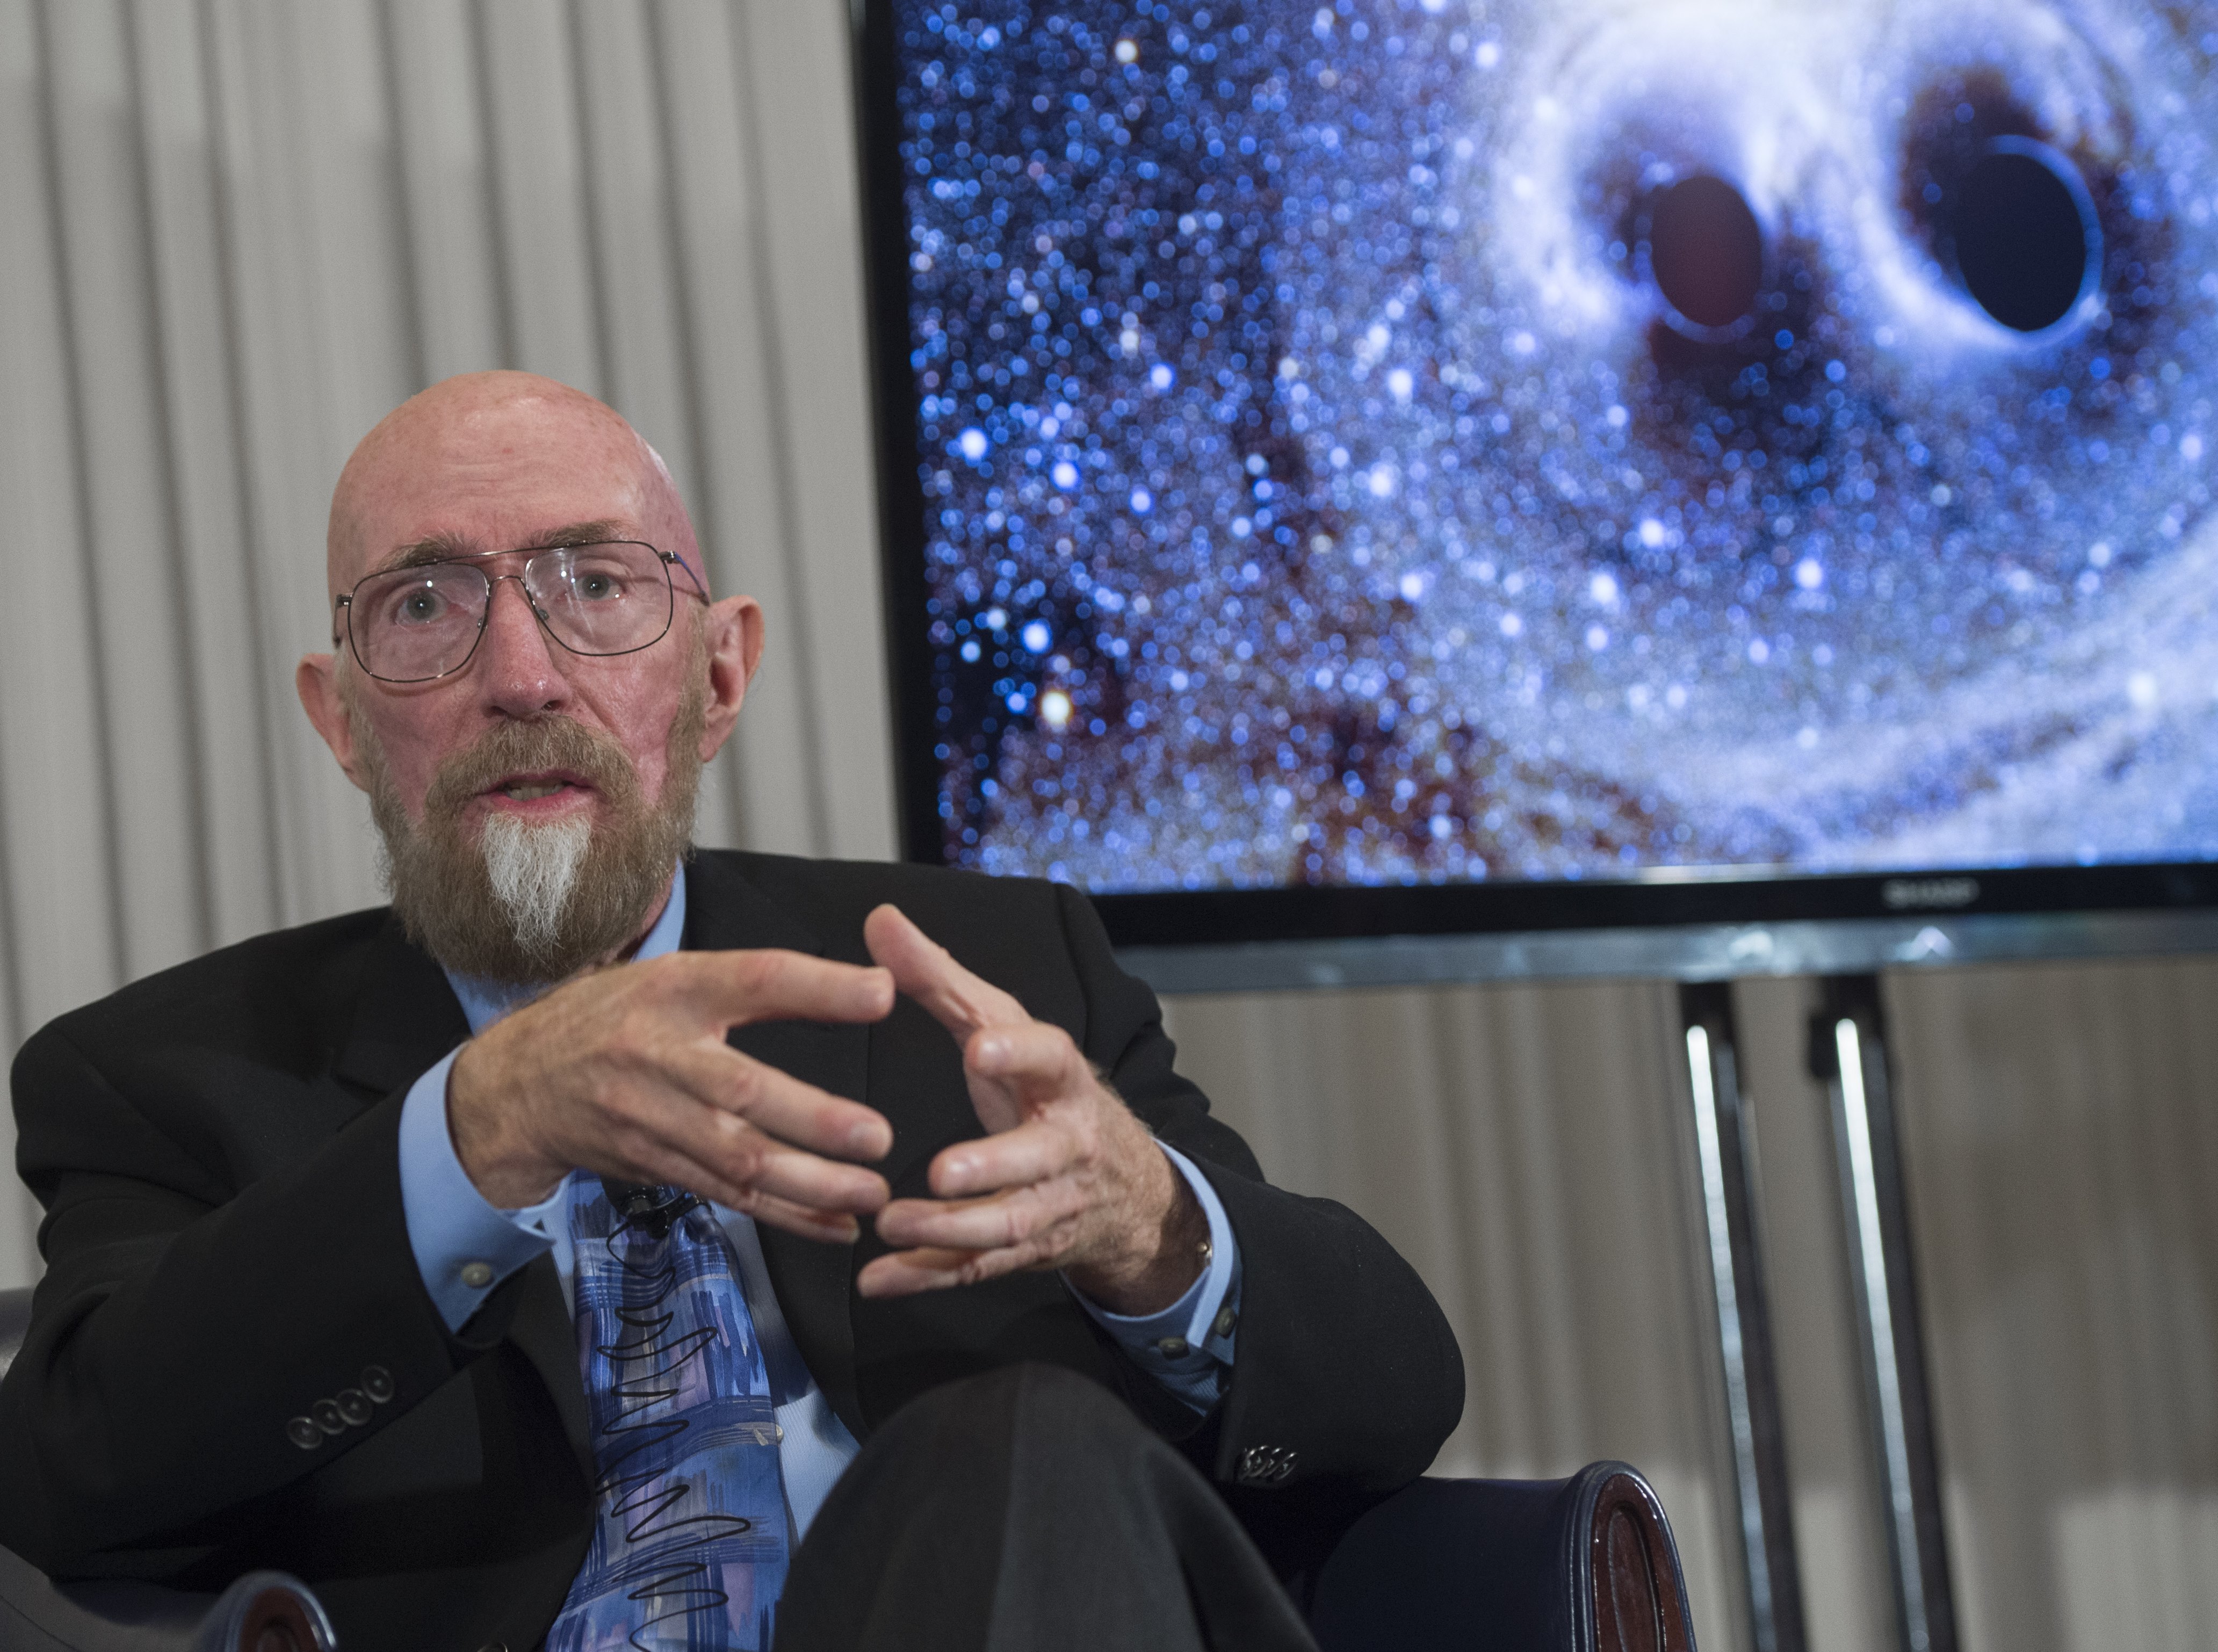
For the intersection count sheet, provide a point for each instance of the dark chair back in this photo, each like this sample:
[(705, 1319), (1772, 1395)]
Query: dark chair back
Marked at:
[(1585, 1564), (262, 1612)]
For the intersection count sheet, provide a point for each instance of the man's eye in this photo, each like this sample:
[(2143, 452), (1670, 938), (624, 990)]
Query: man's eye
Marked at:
[(422, 606), (600, 585)]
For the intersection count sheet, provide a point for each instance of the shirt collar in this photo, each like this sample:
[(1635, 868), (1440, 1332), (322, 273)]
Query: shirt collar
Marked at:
[(484, 1002)]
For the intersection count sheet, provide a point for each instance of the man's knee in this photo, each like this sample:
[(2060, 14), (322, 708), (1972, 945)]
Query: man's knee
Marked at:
[(1028, 1507), (979, 1418)]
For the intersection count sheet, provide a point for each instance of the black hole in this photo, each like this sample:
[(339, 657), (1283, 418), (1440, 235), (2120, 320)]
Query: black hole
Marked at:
[(2022, 235), (1705, 249)]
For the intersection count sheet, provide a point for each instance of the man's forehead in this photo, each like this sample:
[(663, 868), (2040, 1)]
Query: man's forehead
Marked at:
[(526, 443), (465, 479)]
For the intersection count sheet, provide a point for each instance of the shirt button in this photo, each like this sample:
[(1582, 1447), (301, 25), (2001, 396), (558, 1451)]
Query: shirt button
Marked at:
[(304, 1434), (353, 1405), (1173, 1348), (477, 1275), (327, 1417), (377, 1382), (1222, 1324)]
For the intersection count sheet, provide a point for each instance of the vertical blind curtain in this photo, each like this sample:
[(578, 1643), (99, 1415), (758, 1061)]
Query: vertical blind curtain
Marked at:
[(239, 230), (1531, 1149), (2062, 1144)]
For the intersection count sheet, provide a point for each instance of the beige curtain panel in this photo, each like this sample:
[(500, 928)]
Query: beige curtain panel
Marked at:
[(239, 231)]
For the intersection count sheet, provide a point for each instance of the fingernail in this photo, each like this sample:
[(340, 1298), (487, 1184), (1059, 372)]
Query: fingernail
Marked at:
[(992, 1052), (957, 1173)]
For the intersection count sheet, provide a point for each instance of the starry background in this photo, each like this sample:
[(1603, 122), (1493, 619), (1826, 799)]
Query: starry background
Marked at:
[(1315, 489)]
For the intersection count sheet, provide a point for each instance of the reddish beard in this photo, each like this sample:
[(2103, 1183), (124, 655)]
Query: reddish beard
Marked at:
[(436, 870)]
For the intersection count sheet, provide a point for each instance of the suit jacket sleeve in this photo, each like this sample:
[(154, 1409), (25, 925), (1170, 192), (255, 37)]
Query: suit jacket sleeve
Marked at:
[(196, 1301), (1348, 1371)]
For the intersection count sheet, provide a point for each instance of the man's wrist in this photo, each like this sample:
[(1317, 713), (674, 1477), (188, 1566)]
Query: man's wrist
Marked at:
[(509, 1178), (1175, 1255), (464, 1244), (1190, 1344)]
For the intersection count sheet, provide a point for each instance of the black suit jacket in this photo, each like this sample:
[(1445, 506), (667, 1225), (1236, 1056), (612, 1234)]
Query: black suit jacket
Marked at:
[(216, 1148)]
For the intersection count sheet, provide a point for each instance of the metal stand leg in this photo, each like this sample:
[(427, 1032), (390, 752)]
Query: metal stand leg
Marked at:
[(1767, 1523), (1847, 1047)]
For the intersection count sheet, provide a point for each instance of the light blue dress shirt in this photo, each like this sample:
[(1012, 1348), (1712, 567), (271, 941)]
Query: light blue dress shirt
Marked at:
[(466, 1246)]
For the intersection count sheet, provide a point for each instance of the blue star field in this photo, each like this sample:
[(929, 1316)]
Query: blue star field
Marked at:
[(1325, 480)]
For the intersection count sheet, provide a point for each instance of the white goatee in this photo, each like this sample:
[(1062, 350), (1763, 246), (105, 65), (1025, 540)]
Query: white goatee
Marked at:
[(533, 870)]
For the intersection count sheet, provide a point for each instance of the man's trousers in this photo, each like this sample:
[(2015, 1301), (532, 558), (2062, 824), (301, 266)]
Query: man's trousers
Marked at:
[(1028, 1509)]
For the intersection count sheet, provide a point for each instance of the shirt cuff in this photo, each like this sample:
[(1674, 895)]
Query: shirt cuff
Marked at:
[(1189, 1346), (464, 1245)]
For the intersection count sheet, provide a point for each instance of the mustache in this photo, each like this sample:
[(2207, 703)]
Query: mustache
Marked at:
[(552, 743)]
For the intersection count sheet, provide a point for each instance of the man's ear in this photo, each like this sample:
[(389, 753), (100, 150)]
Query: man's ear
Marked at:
[(316, 680), (735, 649)]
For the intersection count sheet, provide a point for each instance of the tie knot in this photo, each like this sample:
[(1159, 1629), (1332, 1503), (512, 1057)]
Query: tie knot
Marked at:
[(648, 1208)]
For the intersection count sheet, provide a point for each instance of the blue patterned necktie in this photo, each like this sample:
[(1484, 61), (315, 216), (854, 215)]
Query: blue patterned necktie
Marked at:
[(689, 1548)]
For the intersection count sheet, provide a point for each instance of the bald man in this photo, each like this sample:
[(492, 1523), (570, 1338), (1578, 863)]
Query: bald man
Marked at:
[(612, 1243)]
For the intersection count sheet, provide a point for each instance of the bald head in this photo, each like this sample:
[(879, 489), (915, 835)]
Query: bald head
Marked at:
[(491, 461)]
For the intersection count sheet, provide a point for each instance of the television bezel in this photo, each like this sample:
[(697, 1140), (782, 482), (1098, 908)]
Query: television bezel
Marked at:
[(1220, 916)]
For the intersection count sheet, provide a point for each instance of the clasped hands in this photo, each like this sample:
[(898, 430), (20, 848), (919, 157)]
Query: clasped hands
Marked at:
[(625, 1072)]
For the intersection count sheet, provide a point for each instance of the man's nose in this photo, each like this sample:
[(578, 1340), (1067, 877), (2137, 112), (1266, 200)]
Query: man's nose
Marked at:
[(518, 674)]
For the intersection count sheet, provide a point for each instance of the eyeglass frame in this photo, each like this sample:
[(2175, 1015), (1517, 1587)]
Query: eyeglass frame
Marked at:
[(530, 553)]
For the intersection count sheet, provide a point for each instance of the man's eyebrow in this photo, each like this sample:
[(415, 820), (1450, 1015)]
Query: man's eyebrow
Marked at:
[(447, 547), (439, 548), (580, 533)]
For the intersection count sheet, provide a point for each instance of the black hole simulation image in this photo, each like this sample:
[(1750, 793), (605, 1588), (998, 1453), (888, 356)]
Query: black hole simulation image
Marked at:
[(2026, 241), (1705, 251), (1417, 441)]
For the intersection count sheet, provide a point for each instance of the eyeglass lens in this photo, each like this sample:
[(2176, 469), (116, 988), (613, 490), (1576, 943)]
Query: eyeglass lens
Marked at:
[(416, 623)]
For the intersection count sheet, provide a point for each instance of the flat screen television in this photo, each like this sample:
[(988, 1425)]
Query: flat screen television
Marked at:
[(1397, 466)]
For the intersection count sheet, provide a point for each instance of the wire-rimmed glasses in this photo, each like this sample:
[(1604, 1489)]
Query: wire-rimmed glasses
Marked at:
[(416, 623)]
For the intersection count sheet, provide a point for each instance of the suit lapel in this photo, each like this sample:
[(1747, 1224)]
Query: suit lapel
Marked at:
[(814, 1281), (544, 1331), (405, 1017)]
